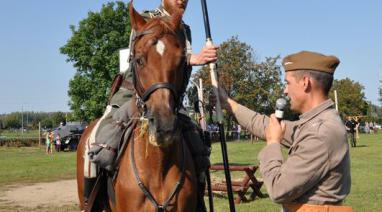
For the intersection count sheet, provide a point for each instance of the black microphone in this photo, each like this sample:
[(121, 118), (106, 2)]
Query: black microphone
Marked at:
[(281, 103)]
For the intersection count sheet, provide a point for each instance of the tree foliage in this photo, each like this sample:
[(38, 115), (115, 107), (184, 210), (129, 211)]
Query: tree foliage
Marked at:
[(93, 50), (374, 113), (32, 119), (380, 92), (351, 97), (255, 85)]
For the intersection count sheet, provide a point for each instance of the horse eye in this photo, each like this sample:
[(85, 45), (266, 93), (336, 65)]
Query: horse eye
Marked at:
[(139, 61)]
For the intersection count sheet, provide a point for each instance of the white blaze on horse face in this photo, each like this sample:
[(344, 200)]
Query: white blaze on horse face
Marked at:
[(160, 47)]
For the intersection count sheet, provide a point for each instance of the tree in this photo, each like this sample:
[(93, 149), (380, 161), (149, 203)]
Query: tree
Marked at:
[(268, 86), (255, 85), (93, 50), (380, 92), (47, 120), (1, 125), (47, 123), (57, 118), (351, 98), (13, 120)]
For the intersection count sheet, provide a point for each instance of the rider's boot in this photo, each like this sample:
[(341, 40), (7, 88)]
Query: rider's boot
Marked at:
[(89, 184), (200, 154)]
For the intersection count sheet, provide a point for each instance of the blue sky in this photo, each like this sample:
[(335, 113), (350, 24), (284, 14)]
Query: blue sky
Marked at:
[(34, 76)]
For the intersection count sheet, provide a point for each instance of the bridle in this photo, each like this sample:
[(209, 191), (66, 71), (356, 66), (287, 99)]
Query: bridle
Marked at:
[(143, 94)]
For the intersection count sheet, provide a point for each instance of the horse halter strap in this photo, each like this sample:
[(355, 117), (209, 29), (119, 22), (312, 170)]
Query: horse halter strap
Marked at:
[(138, 86)]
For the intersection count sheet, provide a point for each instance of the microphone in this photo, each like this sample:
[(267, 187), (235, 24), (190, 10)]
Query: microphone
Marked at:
[(280, 106)]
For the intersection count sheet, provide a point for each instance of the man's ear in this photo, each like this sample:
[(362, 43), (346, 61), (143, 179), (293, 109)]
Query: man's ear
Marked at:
[(137, 21), (307, 83)]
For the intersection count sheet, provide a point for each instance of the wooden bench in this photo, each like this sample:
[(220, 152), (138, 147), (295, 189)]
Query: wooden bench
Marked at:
[(240, 187)]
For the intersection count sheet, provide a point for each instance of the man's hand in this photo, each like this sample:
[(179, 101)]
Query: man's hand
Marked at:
[(225, 102), (275, 130), (207, 55), (223, 97)]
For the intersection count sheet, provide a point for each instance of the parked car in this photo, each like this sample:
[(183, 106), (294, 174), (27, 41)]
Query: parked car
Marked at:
[(362, 129), (70, 134)]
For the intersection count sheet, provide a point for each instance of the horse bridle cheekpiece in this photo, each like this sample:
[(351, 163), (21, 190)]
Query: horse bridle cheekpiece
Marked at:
[(144, 94)]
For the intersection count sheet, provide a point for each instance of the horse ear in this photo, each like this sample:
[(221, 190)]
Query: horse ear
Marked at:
[(177, 19), (137, 21)]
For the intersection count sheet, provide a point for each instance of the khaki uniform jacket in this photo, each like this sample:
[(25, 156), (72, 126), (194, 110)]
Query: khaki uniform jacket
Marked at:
[(317, 170)]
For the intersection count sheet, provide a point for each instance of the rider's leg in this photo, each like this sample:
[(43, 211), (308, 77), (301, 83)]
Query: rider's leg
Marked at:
[(108, 136), (90, 174), (89, 184), (91, 168), (200, 153)]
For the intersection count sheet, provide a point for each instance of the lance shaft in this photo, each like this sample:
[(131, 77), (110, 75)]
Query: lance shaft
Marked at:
[(214, 82)]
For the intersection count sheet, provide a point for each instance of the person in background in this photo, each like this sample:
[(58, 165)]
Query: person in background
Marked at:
[(367, 128), (351, 126), (371, 127), (51, 138), (58, 142), (47, 142)]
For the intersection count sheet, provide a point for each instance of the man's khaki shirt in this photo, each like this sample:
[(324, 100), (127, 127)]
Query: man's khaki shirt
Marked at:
[(317, 170)]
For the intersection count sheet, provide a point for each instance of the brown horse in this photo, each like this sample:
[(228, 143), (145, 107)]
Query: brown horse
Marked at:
[(156, 171)]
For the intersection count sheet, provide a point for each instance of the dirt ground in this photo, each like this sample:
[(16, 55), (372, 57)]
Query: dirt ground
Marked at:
[(39, 195)]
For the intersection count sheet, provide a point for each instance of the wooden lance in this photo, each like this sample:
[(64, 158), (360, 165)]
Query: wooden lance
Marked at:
[(214, 82)]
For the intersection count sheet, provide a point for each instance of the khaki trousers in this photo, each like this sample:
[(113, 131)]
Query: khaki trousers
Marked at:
[(291, 207)]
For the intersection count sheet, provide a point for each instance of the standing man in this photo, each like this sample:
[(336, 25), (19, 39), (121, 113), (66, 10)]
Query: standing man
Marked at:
[(351, 126), (316, 174), (108, 132)]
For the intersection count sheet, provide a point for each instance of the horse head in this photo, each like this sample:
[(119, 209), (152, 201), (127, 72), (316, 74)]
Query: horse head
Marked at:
[(158, 66)]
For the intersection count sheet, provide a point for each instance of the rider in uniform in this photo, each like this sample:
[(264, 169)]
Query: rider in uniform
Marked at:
[(108, 132)]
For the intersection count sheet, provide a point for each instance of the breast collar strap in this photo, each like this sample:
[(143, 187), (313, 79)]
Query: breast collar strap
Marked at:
[(178, 185)]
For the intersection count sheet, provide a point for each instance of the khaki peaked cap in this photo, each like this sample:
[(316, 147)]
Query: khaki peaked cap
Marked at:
[(306, 60)]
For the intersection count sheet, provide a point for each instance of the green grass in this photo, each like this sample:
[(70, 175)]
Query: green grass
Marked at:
[(366, 172), (241, 153), (28, 165), (31, 164)]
